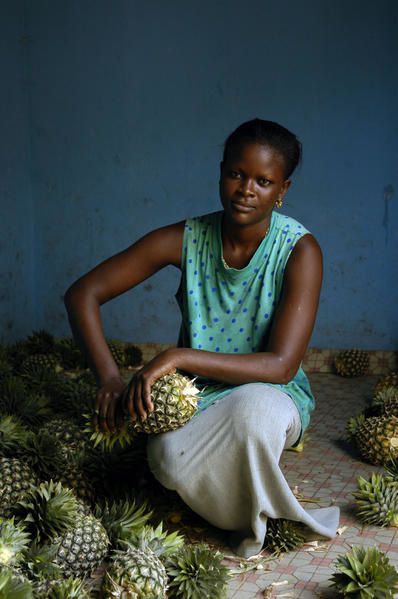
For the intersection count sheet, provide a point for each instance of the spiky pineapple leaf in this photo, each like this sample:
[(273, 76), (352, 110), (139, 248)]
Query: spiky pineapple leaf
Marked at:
[(47, 510), (196, 571), (13, 542), (122, 519), (13, 586), (365, 573)]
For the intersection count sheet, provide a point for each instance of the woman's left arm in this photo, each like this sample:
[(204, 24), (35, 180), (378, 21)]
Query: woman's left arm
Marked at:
[(292, 326)]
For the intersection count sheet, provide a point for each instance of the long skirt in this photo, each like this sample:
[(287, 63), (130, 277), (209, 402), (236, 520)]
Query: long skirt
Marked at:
[(224, 464)]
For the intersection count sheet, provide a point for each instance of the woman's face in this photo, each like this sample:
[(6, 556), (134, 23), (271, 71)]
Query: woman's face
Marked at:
[(252, 179)]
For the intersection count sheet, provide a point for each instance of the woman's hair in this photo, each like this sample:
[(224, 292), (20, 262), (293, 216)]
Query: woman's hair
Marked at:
[(267, 133)]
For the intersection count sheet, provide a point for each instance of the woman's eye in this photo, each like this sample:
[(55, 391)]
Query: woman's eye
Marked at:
[(234, 174), (263, 182)]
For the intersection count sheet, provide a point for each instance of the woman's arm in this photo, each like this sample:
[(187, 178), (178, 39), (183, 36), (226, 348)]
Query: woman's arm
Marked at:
[(291, 331), (109, 279)]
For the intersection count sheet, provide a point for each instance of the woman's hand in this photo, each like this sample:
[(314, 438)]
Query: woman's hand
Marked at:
[(137, 397), (109, 404)]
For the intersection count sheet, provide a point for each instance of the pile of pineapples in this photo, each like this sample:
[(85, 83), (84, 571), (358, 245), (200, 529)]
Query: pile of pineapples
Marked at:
[(73, 519)]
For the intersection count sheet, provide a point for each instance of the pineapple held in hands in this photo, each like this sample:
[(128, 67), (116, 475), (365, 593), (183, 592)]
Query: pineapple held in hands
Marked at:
[(174, 398)]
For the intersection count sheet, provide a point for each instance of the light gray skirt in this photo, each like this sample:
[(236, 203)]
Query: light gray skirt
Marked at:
[(224, 464)]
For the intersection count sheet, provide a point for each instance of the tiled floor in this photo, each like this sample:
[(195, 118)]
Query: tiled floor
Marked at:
[(326, 470)]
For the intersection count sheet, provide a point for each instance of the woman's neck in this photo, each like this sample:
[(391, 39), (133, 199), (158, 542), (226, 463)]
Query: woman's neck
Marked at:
[(240, 243)]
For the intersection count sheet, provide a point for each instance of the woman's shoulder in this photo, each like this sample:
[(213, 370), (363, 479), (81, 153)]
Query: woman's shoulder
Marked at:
[(289, 225)]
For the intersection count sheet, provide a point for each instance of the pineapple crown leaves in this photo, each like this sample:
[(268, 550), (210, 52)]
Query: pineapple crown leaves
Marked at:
[(122, 519), (112, 472), (161, 543), (16, 353), (122, 438), (43, 453), (13, 541), (365, 573), (13, 586), (40, 342), (31, 409), (70, 588), (283, 535), (47, 510), (391, 467), (385, 394), (377, 500), (196, 571), (70, 354), (13, 435), (39, 562)]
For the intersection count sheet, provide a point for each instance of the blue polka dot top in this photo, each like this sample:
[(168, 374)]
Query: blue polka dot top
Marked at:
[(230, 310)]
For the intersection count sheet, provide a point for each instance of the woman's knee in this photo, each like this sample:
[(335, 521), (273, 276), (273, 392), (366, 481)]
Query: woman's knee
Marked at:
[(258, 415), (162, 461)]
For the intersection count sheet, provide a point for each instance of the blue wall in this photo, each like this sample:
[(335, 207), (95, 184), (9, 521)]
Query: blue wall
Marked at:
[(130, 103), (17, 246)]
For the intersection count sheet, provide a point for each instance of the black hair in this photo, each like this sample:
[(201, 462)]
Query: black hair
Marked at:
[(267, 133)]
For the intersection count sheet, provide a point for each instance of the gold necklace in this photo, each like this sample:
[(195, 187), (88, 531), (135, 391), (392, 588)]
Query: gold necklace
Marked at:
[(226, 266)]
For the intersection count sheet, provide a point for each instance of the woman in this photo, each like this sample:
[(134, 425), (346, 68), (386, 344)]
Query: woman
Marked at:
[(249, 293)]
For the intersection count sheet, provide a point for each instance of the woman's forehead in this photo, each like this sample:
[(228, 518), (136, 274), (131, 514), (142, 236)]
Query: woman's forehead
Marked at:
[(256, 154)]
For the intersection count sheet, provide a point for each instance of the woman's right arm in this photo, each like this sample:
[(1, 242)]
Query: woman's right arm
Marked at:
[(109, 279)]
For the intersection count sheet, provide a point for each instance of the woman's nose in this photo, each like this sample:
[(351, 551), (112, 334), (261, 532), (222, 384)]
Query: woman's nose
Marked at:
[(247, 187)]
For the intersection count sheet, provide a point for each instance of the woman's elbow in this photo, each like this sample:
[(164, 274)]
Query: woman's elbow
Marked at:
[(286, 371), (74, 296)]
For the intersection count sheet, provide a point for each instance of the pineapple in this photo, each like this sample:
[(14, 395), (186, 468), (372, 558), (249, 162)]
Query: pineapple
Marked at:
[(54, 516), (133, 355), (175, 402), (117, 350), (365, 573), (196, 571), (283, 535), (353, 425), (69, 435), (16, 479), (136, 573), (377, 500), (352, 362), (82, 548), (377, 439), (162, 543), (390, 380), (37, 365)]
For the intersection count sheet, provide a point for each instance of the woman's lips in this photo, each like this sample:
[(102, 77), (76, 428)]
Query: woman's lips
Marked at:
[(241, 207)]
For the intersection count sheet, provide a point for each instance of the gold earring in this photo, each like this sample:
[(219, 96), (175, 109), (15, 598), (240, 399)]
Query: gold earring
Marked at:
[(279, 202)]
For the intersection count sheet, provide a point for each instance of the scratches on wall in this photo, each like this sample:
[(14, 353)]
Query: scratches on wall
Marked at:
[(388, 193)]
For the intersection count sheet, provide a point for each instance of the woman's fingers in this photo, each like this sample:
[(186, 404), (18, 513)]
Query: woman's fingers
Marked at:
[(129, 400), (138, 400), (110, 415), (146, 394)]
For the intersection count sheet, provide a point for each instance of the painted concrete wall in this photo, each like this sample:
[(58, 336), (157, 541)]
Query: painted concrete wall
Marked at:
[(17, 291), (131, 102)]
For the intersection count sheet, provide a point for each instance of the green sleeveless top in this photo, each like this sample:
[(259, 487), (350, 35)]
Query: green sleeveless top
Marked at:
[(230, 310)]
